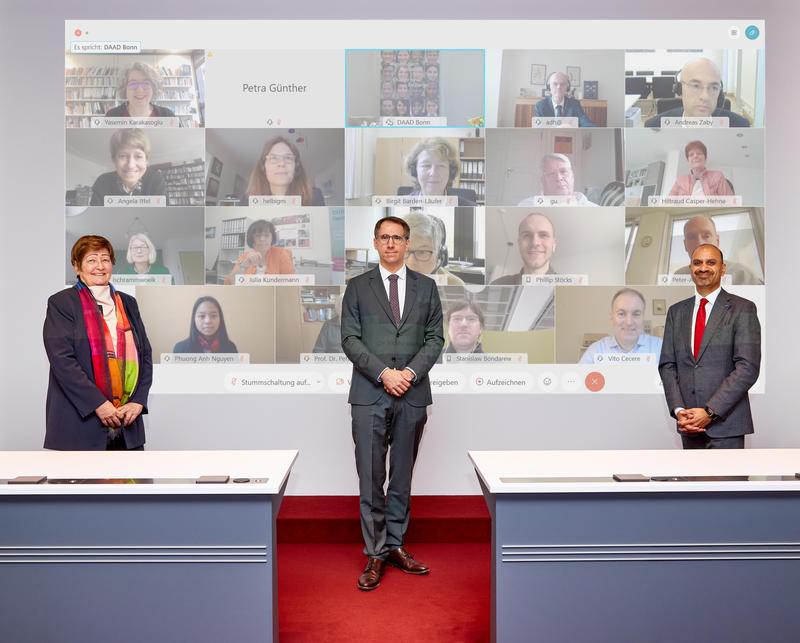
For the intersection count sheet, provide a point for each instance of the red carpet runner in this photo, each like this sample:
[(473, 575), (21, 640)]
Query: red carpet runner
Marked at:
[(319, 559)]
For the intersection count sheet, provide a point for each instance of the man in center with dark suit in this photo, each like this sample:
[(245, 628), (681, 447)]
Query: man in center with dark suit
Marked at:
[(392, 332), (710, 358), (558, 104)]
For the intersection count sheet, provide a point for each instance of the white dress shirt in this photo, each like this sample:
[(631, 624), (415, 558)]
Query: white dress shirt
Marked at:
[(401, 284)]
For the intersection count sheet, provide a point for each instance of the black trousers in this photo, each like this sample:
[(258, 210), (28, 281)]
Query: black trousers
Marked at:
[(704, 441), (390, 425)]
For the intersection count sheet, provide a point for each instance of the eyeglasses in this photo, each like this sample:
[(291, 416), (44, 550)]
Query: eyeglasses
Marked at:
[(275, 159), (465, 319), (140, 248), (386, 238), (421, 255), (696, 87), (139, 84), (564, 172)]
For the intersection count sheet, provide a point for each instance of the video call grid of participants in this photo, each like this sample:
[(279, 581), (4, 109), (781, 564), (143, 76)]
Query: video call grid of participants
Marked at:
[(539, 189)]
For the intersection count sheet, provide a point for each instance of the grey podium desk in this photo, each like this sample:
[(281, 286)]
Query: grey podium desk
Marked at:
[(643, 562), (164, 562)]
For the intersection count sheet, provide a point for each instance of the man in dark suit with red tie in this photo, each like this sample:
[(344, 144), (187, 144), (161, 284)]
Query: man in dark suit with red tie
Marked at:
[(392, 332), (710, 358)]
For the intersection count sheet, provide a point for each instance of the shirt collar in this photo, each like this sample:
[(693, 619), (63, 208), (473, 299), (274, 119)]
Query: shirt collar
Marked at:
[(385, 273), (711, 297), (639, 342)]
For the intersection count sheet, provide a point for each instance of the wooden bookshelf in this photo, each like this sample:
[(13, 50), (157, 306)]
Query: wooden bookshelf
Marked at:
[(185, 182), (92, 91)]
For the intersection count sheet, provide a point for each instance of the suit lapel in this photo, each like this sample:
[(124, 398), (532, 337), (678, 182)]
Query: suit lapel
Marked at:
[(721, 307), (411, 294), (685, 326), (376, 283)]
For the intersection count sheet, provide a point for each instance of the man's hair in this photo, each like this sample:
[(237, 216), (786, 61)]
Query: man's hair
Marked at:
[(628, 291), (397, 220), (90, 243), (129, 138), (457, 306), (700, 216), (555, 156), (538, 214), (711, 245)]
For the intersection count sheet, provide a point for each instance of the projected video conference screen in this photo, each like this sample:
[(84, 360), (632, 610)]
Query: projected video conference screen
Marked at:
[(554, 194)]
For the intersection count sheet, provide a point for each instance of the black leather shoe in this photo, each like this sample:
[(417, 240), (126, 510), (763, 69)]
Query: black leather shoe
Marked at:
[(401, 558), (371, 577)]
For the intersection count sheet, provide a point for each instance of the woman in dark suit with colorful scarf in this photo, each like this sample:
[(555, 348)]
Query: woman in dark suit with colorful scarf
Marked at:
[(101, 367)]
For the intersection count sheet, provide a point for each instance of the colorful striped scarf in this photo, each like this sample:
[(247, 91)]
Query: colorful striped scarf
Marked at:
[(116, 373)]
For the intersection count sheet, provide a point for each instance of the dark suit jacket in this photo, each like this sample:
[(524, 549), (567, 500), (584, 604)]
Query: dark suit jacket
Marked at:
[(726, 368), (572, 109), (735, 119), (72, 396), (372, 342)]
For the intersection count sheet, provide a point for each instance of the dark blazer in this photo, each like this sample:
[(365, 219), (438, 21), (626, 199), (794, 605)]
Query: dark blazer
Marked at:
[(726, 368), (72, 395), (572, 109), (735, 119), (372, 342), (153, 184)]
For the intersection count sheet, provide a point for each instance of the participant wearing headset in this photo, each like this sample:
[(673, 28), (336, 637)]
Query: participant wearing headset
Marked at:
[(433, 165), (559, 104), (427, 246), (699, 85), (536, 241)]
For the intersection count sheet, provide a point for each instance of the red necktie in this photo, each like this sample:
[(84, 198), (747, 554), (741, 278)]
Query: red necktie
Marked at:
[(699, 326)]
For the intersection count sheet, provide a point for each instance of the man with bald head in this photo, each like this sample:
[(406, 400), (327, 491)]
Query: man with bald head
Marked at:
[(701, 229), (536, 242), (710, 358), (701, 86), (559, 104)]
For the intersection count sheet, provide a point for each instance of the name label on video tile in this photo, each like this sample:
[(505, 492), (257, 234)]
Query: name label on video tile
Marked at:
[(116, 122), (274, 280), (134, 201), (293, 200), (412, 201), (555, 280), (140, 280), (205, 358), (695, 121), (690, 200), (625, 358), (548, 122)]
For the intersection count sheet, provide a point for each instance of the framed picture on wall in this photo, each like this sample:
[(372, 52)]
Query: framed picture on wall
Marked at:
[(538, 74), (216, 167), (213, 187), (574, 74)]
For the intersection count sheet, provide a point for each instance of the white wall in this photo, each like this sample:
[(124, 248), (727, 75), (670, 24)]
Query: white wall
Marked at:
[(605, 66)]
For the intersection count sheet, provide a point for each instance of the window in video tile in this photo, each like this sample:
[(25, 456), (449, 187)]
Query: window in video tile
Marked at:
[(612, 324), (150, 89), (694, 88), (694, 167), (305, 242), (209, 324), (498, 325), (135, 167), (560, 88), (554, 167), (554, 246), (150, 246), (415, 168), (270, 167), (415, 87), (447, 244)]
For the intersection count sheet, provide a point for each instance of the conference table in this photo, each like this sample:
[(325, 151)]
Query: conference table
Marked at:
[(699, 545), (140, 546)]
